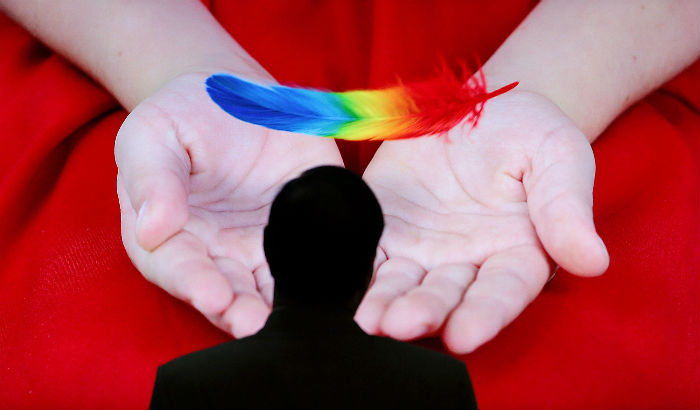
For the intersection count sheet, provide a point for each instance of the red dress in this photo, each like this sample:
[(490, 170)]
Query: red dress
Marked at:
[(80, 327)]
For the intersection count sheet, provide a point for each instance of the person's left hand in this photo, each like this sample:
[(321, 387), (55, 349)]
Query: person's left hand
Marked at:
[(470, 222)]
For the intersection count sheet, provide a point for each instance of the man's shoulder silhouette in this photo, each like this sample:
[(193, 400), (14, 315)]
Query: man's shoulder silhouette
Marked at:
[(335, 366)]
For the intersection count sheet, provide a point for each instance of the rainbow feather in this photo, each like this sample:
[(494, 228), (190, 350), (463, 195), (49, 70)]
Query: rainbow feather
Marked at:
[(430, 107)]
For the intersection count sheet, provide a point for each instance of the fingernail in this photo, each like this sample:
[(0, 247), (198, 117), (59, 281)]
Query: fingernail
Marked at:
[(602, 244), (141, 218), (605, 248)]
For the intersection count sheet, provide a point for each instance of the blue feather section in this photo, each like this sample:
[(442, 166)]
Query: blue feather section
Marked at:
[(278, 107)]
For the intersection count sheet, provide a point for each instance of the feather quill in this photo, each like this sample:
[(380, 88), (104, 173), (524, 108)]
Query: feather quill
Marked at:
[(429, 107)]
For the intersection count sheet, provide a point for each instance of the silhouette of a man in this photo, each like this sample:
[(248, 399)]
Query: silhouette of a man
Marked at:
[(320, 243)]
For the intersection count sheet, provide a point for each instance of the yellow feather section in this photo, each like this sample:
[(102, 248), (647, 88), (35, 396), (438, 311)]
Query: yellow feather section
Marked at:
[(381, 114)]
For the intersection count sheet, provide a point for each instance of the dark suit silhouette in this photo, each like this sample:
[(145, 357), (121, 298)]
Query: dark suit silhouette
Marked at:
[(310, 353)]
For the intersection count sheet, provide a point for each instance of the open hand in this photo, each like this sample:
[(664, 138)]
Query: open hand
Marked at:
[(471, 223), (195, 186)]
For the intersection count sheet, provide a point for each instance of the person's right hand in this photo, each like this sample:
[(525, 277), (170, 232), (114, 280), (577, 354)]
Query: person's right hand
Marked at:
[(195, 186)]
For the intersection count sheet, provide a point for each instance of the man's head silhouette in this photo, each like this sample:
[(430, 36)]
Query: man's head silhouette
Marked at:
[(321, 238)]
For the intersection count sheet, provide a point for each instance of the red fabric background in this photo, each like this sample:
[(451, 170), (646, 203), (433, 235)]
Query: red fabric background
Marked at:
[(80, 327)]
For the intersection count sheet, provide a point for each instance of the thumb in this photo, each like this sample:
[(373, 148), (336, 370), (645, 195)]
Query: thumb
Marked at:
[(154, 168), (560, 201)]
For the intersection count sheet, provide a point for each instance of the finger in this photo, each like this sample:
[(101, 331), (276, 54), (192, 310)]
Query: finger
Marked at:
[(181, 265), (379, 259), (154, 169), (394, 277), (423, 309), (560, 200), (265, 283), (505, 284), (248, 311)]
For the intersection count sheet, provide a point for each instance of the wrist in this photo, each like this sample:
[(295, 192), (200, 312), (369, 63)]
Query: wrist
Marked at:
[(134, 48), (138, 71), (551, 81), (148, 80)]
